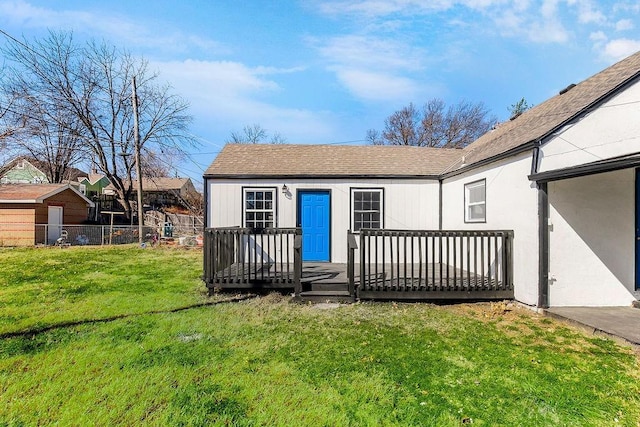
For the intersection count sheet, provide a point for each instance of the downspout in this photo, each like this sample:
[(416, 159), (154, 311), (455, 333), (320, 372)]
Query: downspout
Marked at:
[(206, 203), (440, 204)]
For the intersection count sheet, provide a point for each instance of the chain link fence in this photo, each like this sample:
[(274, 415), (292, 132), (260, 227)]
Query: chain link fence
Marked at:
[(73, 235)]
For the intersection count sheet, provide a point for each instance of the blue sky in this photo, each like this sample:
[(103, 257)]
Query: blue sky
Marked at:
[(326, 71)]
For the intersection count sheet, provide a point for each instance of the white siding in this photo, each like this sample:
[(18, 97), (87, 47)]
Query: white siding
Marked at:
[(613, 129), (512, 204), (408, 204), (592, 253)]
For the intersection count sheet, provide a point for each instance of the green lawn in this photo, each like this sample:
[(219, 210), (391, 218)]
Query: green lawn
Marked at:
[(266, 361)]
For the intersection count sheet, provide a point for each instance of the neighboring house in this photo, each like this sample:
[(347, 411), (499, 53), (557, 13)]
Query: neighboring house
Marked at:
[(93, 184), (25, 210), (22, 171), (562, 175), (26, 170), (162, 191)]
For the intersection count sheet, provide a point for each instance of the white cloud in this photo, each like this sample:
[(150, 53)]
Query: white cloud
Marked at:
[(371, 52), (624, 25), (373, 68), (620, 48), (226, 96), (598, 37), (378, 86), (117, 28), (588, 12)]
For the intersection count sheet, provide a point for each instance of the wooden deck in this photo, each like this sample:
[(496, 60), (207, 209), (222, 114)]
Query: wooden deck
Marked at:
[(382, 264), (330, 281)]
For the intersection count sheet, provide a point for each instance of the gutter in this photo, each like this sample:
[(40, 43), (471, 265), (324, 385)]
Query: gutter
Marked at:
[(316, 176)]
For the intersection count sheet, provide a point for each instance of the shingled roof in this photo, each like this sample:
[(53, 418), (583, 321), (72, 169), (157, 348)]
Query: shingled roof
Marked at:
[(545, 118), (34, 193), (264, 160)]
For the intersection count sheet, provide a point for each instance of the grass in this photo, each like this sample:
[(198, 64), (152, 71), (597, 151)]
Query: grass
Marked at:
[(44, 287), (266, 361)]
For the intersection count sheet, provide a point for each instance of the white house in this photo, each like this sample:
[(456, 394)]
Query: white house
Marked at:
[(562, 175)]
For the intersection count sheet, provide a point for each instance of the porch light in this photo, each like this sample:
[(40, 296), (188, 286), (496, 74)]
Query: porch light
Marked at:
[(285, 189)]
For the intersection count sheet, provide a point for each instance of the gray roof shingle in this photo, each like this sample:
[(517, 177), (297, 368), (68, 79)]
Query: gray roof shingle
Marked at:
[(250, 160)]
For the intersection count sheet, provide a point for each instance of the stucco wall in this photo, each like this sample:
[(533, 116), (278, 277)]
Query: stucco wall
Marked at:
[(511, 204), (592, 242), (408, 204), (611, 130)]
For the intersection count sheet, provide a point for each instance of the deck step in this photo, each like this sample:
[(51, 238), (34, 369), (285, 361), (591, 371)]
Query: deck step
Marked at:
[(325, 296), (325, 293), (333, 287)]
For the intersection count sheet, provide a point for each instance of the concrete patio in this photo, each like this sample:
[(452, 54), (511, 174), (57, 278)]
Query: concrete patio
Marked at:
[(619, 323)]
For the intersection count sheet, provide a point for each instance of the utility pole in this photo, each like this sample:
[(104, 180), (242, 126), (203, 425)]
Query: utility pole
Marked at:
[(136, 142)]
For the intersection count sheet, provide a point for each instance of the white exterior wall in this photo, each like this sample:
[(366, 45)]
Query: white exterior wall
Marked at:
[(592, 242), (408, 204), (511, 204), (612, 130)]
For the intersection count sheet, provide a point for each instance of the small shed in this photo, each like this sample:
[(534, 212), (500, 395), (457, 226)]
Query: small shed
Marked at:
[(31, 213)]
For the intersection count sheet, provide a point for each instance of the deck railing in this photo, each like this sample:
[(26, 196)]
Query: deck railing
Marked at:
[(236, 257), (403, 263)]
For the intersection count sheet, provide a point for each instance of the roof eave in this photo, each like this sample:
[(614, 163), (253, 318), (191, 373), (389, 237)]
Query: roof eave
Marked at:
[(600, 166), (12, 201), (501, 156), (316, 176)]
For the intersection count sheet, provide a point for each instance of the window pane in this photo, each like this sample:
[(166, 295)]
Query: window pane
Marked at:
[(476, 194), (476, 212), (259, 208), (367, 209)]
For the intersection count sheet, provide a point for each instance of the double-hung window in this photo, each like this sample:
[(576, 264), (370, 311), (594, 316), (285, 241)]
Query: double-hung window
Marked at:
[(367, 208), (259, 207), (475, 201)]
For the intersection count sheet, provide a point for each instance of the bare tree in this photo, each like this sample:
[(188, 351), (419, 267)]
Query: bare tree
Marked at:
[(46, 133), (435, 125), (90, 87), (255, 134), (374, 137), (155, 165)]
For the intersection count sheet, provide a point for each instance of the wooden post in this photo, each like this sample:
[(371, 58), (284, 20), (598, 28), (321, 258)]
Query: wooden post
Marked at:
[(352, 245), (297, 263), (136, 140)]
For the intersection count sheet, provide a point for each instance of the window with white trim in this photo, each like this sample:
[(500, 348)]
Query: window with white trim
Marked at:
[(259, 207), (366, 208), (475, 201)]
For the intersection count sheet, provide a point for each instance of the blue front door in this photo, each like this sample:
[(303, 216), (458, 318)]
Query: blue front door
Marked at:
[(313, 217)]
